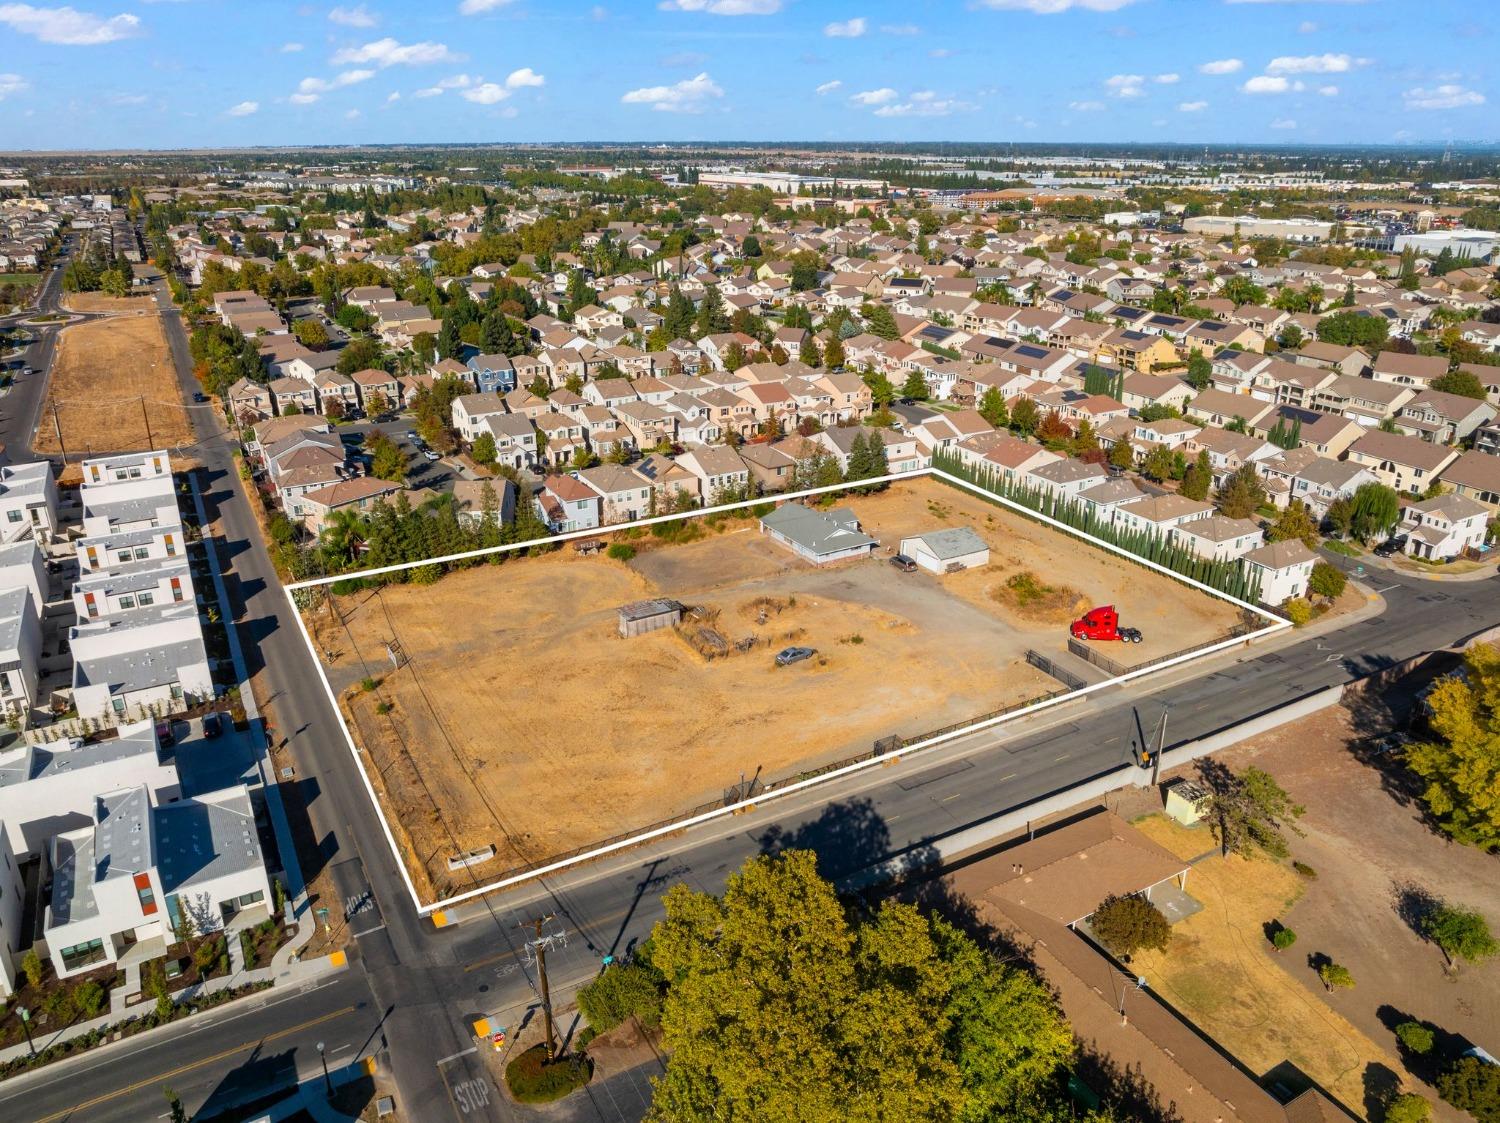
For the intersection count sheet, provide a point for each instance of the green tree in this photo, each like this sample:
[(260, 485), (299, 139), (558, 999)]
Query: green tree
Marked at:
[(711, 318), (879, 321), (1461, 382), (484, 452), (359, 354), (175, 1110), (1327, 581), (1283, 938), (31, 967), (1335, 976), (1353, 329), (1373, 511), (1025, 417), (1415, 1037), (1249, 813), (779, 1006), (635, 989), (1408, 1107), (387, 461), (1242, 493), (992, 408), (808, 353), (495, 336), (1126, 925), (1199, 479), (833, 354), (1295, 522), (1122, 454), (1158, 463), (915, 387), (1462, 934), (311, 334), (1200, 372), (882, 393), (1472, 1084)]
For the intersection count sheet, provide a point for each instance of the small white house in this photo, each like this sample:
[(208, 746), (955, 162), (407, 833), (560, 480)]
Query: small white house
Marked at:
[(1283, 569), (942, 551), (1442, 528)]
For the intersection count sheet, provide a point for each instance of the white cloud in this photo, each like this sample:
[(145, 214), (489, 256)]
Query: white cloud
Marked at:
[(1126, 85), (828, 87), (1310, 64), (1191, 106), (478, 7), (303, 99), (357, 16), (487, 93), (68, 26), (1283, 123), (12, 84), (309, 89), (127, 99), (243, 109), (723, 7), (691, 95), (1167, 79), (388, 52), (900, 29), (352, 115), (1307, 27), (394, 95), (456, 82), (925, 103), (1052, 7), (1221, 66), (524, 77), (939, 52), (875, 97), (1446, 96), (1271, 84), (290, 48), (1085, 106), (1329, 91), (848, 29)]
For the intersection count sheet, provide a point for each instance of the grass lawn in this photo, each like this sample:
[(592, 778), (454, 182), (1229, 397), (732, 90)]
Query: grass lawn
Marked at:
[(1337, 547), (19, 278), (1221, 972)]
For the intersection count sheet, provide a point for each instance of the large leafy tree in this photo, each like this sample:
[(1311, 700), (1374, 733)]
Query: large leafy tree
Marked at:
[(779, 1006), (1249, 813), (1461, 761), (1373, 511), (1126, 925), (1241, 494), (1462, 934)]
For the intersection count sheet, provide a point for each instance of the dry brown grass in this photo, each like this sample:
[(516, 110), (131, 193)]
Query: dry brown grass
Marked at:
[(101, 302), (105, 372), (1026, 595), (1221, 972)]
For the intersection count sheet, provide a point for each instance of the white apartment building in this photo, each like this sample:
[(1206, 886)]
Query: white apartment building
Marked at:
[(148, 661), (28, 502)]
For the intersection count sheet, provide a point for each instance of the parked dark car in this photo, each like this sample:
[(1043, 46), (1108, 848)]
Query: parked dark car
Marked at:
[(164, 734), (903, 563), (199, 396), (789, 655), (1391, 546), (213, 725)]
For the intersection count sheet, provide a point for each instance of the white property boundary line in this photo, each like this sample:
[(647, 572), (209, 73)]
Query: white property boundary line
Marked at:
[(1276, 624)]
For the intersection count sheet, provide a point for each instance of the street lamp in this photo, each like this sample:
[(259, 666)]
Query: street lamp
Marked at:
[(25, 1015), (327, 1083)]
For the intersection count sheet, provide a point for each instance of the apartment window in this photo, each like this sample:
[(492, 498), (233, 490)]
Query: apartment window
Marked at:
[(171, 546), (80, 955), (143, 599), (251, 899), (127, 601), (142, 553), (13, 516)]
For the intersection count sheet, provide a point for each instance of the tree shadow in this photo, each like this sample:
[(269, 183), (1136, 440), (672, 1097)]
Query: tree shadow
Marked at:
[(1381, 1087), (1124, 1090), (847, 836), (1447, 1046), (1414, 904)]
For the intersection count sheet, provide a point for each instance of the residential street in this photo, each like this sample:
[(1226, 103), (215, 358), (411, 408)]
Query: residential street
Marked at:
[(417, 988)]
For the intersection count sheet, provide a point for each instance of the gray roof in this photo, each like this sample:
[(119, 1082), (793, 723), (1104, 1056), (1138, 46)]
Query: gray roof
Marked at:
[(202, 839), (645, 609), (70, 900), (132, 510), (818, 532), (953, 542), (12, 616), (130, 577), (37, 762)]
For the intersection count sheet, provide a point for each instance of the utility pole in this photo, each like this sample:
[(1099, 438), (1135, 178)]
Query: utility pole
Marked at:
[(540, 945), (57, 427), (1161, 745)]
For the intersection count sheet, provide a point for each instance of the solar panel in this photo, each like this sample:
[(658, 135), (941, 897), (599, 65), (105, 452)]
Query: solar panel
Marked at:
[(1031, 352)]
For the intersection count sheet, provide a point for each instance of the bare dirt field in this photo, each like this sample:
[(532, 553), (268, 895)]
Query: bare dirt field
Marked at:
[(102, 302), (522, 720), (102, 374)]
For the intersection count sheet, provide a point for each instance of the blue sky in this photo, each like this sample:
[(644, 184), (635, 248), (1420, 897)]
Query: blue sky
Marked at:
[(176, 73)]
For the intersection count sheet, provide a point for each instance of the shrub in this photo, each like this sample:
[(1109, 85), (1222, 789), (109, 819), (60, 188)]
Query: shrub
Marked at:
[(1283, 938), (1125, 925), (1302, 869), (31, 967), (205, 953), (382, 707), (1408, 1107), (89, 998), (622, 990), (1327, 581), (535, 1080), (1298, 610), (1472, 1085), (58, 1005), (367, 684), (621, 552), (1415, 1036)]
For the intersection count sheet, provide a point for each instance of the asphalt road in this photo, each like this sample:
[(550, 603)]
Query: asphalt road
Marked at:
[(21, 405), (427, 984)]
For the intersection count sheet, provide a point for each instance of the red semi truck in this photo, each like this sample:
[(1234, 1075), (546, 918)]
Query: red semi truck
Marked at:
[(1103, 623)]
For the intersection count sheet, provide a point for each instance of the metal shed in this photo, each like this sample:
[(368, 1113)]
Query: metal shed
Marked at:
[(642, 616)]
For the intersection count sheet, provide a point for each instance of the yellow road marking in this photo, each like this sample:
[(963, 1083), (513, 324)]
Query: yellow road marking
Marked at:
[(180, 1069)]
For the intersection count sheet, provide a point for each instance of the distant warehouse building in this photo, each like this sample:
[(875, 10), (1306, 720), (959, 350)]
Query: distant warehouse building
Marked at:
[(941, 551), (1251, 226), (819, 536), (1471, 245)]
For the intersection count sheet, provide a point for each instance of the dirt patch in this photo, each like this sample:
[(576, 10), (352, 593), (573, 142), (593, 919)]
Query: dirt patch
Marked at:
[(102, 302), (1221, 972), (520, 719), (113, 388)]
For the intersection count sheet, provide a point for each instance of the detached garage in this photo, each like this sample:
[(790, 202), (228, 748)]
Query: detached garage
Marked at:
[(943, 551)]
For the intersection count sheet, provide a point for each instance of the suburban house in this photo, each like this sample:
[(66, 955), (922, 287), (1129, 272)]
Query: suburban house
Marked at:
[(1444, 527), (567, 504), (1443, 419), (1402, 462), (358, 494), (1219, 538), (1417, 371), (719, 470), (1475, 475), (1283, 569), (624, 494), (820, 537)]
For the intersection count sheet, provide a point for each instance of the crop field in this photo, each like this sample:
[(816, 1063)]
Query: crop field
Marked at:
[(520, 719), (111, 381)]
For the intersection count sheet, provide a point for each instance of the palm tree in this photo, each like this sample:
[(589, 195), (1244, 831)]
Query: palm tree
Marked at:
[(344, 535)]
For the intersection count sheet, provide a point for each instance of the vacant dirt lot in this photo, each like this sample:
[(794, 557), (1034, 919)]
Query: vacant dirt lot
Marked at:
[(522, 720), (101, 302), (103, 372), (1378, 865)]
